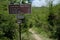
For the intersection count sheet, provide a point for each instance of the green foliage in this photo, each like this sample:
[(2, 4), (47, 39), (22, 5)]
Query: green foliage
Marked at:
[(9, 30), (39, 18), (57, 21), (7, 27)]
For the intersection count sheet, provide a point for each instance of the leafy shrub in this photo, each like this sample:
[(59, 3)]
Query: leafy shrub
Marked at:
[(8, 27)]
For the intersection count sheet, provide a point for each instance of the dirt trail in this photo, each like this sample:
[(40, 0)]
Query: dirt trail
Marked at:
[(37, 37)]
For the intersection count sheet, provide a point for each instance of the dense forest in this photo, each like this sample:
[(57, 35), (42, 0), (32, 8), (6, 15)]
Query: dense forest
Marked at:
[(44, 20)]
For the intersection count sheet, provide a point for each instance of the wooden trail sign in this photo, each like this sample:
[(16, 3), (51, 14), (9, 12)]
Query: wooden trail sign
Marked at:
[(19, 9)]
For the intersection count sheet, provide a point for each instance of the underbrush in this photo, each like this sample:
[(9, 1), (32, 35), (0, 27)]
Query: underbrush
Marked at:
[(45, 35)]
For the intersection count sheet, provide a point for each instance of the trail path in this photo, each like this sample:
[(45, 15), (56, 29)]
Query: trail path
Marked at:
[(37, 37)]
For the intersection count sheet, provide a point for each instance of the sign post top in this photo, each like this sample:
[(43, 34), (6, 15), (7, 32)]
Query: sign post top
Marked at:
[(23, 8)]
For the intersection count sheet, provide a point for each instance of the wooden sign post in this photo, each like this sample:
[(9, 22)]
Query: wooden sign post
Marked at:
[(18, 10)]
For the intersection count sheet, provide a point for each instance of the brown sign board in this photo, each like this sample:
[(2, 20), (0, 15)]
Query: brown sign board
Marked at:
[(17, 9)]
